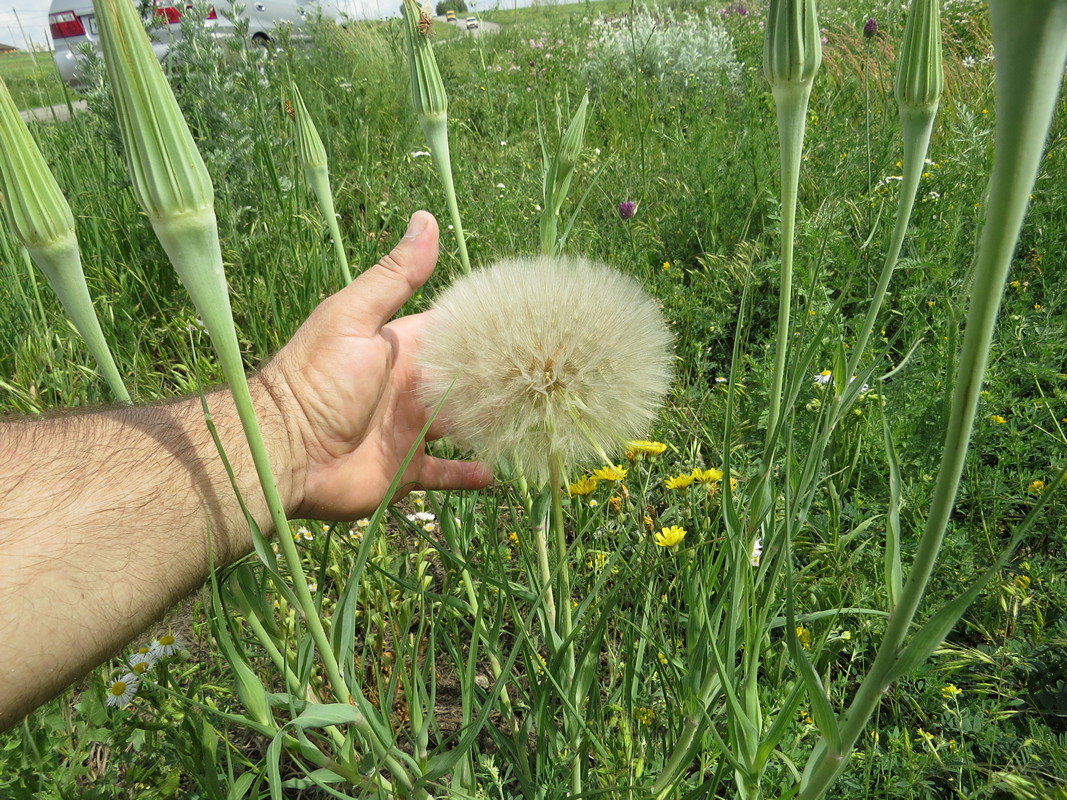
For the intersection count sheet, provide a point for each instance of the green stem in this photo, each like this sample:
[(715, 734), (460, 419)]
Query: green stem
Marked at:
[(436, 130), (1031, 44), (917, 125), (791, 105), (565, 623), (319, 180)]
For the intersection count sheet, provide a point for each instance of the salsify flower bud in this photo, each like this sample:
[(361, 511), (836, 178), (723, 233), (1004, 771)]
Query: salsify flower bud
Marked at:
[(41, 221), (537, 359), (919, 74), (792, 50), (168, 174), (316, 170), (169, 178), (431, 106), (559, 171), (427, 88)]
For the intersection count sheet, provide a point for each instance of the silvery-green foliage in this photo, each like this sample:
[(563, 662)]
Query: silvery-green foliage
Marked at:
[(541, 357), (678, 51)]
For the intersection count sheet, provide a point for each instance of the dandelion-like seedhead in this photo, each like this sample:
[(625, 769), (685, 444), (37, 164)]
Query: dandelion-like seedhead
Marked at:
[(545, 357)]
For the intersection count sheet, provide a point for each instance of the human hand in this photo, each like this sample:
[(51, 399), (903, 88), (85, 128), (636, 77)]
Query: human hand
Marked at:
[(346, 387)]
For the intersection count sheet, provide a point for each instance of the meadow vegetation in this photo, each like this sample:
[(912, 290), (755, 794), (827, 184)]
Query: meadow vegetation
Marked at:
[(448, 597)]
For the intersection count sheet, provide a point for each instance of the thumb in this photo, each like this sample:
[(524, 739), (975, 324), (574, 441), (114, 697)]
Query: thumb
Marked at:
[(377, 294)]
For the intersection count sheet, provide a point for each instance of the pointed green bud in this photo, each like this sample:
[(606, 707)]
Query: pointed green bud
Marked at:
[(168, 174), (792, 50), (40, 221), (317, 173), (427, 88), (919, 74), (169, 178), (570, 147), (308, 142), (35, 207)]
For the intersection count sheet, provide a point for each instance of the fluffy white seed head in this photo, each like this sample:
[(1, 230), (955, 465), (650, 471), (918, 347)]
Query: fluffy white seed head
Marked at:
[(543, 356)]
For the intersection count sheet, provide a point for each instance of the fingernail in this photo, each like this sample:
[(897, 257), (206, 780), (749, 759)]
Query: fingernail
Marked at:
[(416, 225)]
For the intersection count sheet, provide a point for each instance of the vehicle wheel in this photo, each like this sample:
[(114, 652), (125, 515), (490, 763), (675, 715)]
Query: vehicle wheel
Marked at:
[(262, 40)]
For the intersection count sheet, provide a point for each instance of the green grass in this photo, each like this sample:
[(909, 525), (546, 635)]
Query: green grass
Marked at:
[(33, 79), (701, 160)]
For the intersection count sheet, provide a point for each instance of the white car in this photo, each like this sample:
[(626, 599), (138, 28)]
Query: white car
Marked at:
[(472, 23), (73, 23)]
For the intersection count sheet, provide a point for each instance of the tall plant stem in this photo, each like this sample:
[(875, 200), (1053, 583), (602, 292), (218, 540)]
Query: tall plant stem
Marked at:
[(565, 623), (917, 125), (1031, 45), (791, 105), (436, 130), (320, 184)]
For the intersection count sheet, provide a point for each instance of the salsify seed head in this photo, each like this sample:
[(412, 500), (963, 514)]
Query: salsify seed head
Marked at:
[(538, 358)]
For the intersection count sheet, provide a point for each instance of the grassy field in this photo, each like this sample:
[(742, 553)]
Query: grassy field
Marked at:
[(692, 140)]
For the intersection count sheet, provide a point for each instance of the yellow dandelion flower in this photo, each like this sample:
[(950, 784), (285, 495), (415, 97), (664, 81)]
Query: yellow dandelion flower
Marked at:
[(1036, 487), (666, 264), (643, 447), (707, 475), (670, 536), (583, 486), (612, 473), (679, 481)]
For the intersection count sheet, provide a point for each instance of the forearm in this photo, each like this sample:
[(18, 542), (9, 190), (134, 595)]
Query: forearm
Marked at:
[(107, 519)]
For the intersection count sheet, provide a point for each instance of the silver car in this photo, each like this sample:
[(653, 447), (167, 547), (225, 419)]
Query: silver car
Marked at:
[(73, 24)]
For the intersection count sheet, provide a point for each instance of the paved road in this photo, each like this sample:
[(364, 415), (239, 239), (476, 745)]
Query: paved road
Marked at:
[(60, 112), (482, 29)]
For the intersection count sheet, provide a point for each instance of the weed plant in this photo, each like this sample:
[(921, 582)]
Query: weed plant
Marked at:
[(450, 642)]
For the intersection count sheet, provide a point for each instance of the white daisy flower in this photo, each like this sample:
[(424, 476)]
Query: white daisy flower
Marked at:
[(123, 690), (363, 523), (424, 516), (823, 377), (140, 663), (429, 527), (166, 645)]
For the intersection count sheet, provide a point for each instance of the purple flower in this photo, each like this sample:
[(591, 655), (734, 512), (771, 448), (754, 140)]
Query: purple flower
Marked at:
[(870, 30), (627, 208)]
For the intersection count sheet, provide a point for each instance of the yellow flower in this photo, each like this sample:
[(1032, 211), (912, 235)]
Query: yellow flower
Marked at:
[(596, 560), (513, 538), (707, 475), (806, 718), (1037, 487), (669, 537), (648, 522), (997, 419), (1022, 582), (610, 473), (644, 715), (666, 264), (924, 734), (950, 690), (804, 635), (663, 659), (679, 481), (615, 503), (582, 486), (643, 447)]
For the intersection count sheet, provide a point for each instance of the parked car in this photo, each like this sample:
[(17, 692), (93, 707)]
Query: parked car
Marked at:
[(472, 23), (73, 24)]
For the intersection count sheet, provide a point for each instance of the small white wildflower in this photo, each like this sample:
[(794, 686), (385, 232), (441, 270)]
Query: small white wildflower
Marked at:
[(363, 523), (430, 527), (419, 154), (721, 380), (541, 357), (757, 552), (823, 377), (503, 143), (424, 516), (500, 186), (122, 690), (934, 195), (166, 645), (140, 663)]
